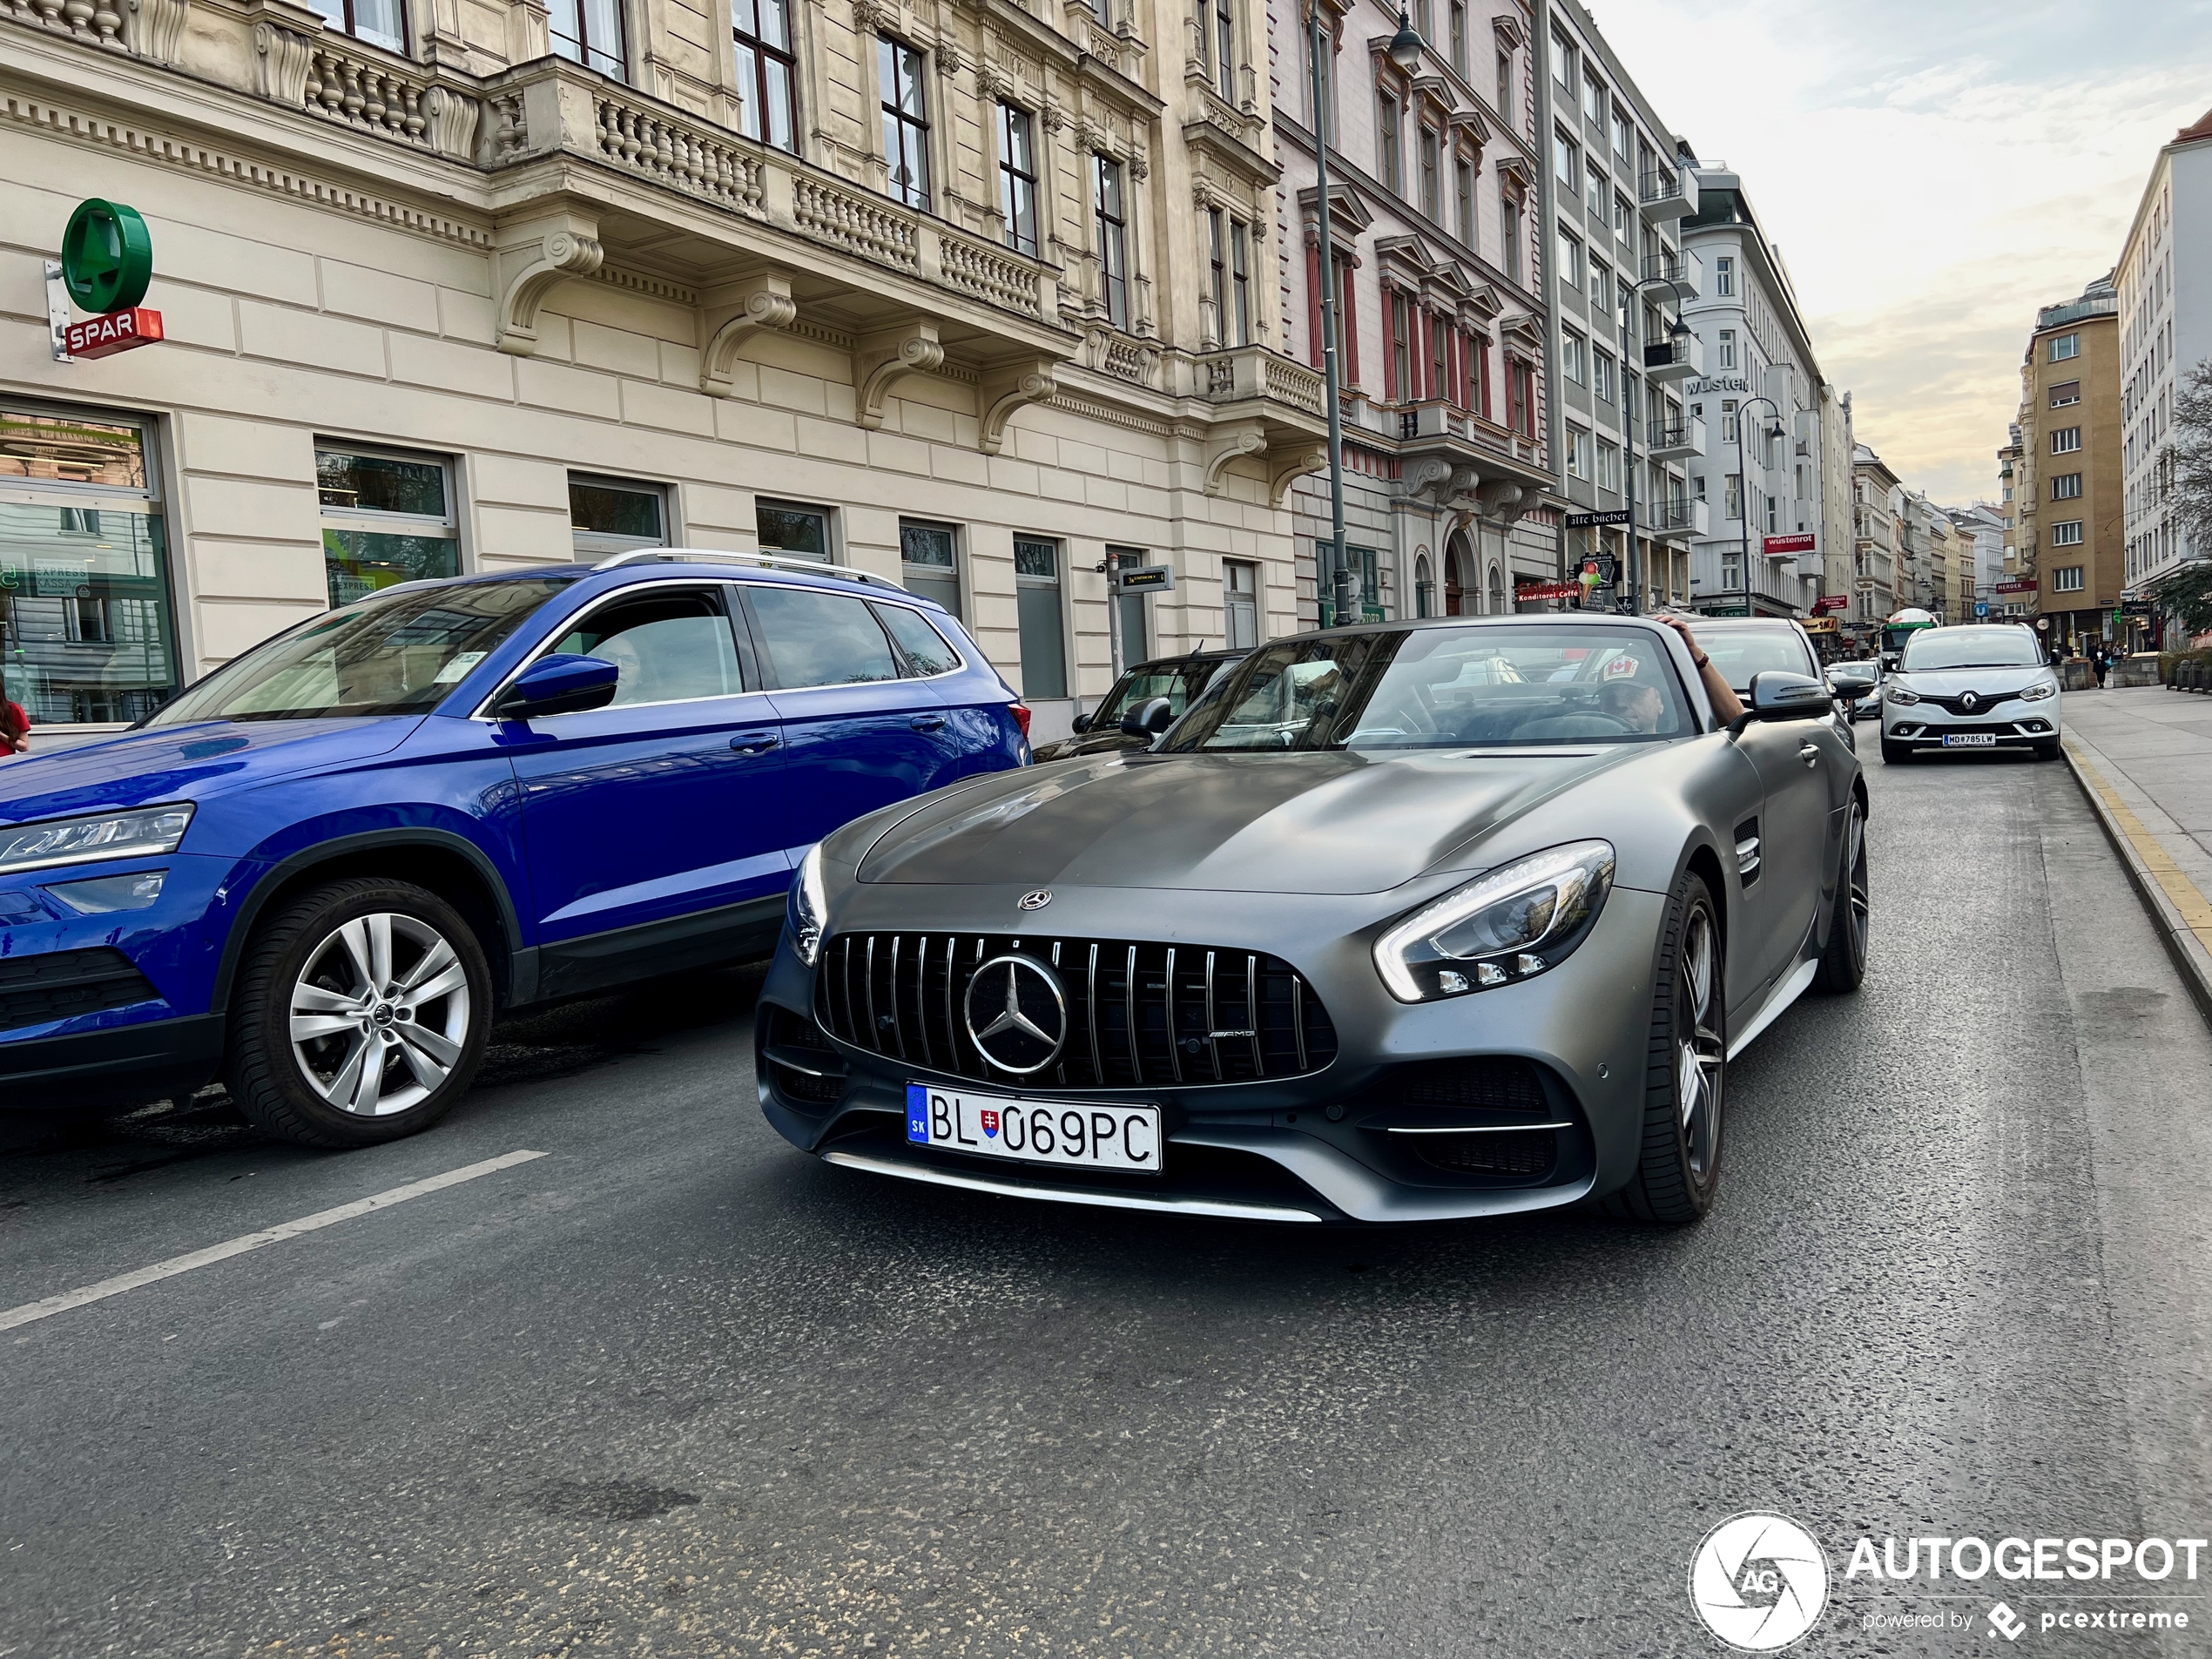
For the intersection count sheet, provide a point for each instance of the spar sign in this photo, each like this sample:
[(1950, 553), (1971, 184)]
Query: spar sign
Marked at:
[(107, 262)]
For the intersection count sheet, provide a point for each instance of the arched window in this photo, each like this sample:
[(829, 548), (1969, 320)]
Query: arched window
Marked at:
[(1497, 592), (1424, 588), (1454, 581)]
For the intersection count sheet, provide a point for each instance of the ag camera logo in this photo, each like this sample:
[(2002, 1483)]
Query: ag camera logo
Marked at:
[(1759, 1581)]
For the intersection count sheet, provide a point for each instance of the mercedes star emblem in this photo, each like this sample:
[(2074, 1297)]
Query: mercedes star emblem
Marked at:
[(1017, 1016), (1036, 900)]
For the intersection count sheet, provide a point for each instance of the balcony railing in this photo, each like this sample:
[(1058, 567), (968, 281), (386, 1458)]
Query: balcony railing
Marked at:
[(1678, 358), (1669, 192), (1683, 269), (1437, 419), (1675, 440), (1248, 372)]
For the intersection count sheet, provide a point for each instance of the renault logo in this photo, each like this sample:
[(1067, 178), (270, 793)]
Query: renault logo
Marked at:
[(1969, 702), (1017, 1015), (1036, 900)]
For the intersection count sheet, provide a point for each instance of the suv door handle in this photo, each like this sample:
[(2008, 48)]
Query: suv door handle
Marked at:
[(754, 743), (927, 723), (1810, 753)]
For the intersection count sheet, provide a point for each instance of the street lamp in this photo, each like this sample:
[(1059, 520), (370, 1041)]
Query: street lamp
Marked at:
[(1406, 46), (1744, 480), (1677, 330)]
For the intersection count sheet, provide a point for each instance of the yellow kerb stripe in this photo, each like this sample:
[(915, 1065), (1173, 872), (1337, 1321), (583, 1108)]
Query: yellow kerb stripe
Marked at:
[(2196, 911)]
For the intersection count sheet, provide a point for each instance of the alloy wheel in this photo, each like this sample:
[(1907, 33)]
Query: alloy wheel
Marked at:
[(1699, 1054), (379, 1014), (1855, 874)]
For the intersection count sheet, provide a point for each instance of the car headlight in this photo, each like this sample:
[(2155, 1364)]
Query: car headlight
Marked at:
[(1512, 924), (2041, 690), (1900, 694), (102, 835), (809, 907)]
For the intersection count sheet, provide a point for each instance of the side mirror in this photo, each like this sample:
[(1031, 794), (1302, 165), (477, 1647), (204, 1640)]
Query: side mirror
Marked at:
[(1149, 719), (1851, 682), (1777, 695), (1083, 723), (561, 683)]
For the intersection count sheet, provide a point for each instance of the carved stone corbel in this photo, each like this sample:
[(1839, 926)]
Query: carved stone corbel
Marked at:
[(1504, 501), (155, 29), (1006, 389), (882, 359), (1227, 446), (1285, 467), (282, 52), (764, 302), (1429, 472), (533, 257), (453, 117)]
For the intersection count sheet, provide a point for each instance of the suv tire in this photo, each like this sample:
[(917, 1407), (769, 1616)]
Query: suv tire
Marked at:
[(359, 1016), (1685, 1067)]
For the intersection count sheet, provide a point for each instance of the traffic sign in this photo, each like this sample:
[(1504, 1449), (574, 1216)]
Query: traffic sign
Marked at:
[(1981, 607), (107, 256)]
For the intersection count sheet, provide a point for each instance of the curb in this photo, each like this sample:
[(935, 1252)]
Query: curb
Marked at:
[(2182, 913)]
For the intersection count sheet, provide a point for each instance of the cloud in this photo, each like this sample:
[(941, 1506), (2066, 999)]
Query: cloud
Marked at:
[(1933, 174)]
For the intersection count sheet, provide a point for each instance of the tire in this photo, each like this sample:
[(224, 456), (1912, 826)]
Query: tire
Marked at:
[(1896, 754), (310, 963), (2048, 751), (1678, 1169), (1843, 965)]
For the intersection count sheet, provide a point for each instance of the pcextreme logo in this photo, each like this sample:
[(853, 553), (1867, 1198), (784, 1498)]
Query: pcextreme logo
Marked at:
[(1759, 1581)]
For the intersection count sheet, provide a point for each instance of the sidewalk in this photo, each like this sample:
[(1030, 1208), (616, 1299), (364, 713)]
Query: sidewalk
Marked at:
[(2143, 755)]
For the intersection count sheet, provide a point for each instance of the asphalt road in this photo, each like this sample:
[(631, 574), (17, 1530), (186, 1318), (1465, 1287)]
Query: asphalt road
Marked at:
[(673, 1388)]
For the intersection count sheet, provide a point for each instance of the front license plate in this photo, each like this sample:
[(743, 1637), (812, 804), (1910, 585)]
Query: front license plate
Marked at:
[(1970, 741), (1086, 1136)]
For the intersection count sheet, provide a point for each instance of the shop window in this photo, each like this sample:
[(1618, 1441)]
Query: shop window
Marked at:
[(1036, 597), (387, 518), (931, 557), (87, 620), (611, 516), (793, 531)]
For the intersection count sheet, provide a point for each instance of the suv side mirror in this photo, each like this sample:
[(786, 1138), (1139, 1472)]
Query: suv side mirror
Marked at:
[(1777, 695), (564, 683), (1149, 719)]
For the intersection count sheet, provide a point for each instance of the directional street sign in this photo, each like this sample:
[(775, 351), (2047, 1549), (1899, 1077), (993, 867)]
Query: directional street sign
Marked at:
[(1148, 578)]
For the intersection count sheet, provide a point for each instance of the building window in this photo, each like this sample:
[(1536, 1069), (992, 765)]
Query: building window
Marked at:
[(1424, 588), (2068, 580), (1439, 360), (1578, 453), (1562, 61), (1387, 137), (1463, 190), (1018, 178), (2066, 393), (1728, 420), (766, 72), (1601, 377), (1432, 174), (1510, 225), (1505, 86), (1570, 261), (87, 622), (1401, 321), (610, 515), (928, 553), (2067, 534), (1571, 350), (586, 32), (1459, 38), (1599, 188), (2065, 440), (1566, 164), (1724, 276), (1037, 598), (387, 518), (1623, 215), (2067, 485), (2065, 345), (1522, 379), (1240, 284), (1622, 130), (1601, 289), (1593, 101), (794, 531), (1221, 46), (906, 120), (1732, 500), (1608, 466), (1240, 601), (383, 22), (1113, 238), (1727, 348), (1136, 637)]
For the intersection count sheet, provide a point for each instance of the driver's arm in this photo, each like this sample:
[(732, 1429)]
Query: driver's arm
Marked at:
[(1727, 706)]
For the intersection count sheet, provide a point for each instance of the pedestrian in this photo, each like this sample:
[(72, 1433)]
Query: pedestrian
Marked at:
[(15, 730), (2099, 661)]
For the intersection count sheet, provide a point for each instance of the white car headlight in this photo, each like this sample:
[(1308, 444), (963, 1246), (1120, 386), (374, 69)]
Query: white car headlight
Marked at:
[(809, 907), (98, 835), (1900, 694), (2041, 690), (1512, 924)]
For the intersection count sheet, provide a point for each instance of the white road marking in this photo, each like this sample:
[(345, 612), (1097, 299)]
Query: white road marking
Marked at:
[(276, 1234)]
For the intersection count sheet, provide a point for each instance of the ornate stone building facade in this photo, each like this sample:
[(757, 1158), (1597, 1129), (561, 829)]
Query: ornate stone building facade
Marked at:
[(964, 292)]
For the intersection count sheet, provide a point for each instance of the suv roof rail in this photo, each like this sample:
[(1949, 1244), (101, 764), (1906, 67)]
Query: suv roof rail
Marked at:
[(770, 561)]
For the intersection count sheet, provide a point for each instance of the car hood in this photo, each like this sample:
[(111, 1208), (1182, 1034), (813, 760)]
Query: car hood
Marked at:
[(185, 762), (1246, 823), (1110, 741), (1949, 682)]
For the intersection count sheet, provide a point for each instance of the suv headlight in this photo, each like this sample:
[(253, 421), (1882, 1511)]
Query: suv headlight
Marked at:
[(1900, 694), (100, 835), (809, 907), (1512, 924), (2041, 690)]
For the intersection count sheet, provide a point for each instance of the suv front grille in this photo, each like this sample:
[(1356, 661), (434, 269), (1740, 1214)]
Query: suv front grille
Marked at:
[(1139, 1015), (59, 984)]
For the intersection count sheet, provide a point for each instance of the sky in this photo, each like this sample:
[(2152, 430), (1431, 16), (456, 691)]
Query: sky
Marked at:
[(1933, 171)]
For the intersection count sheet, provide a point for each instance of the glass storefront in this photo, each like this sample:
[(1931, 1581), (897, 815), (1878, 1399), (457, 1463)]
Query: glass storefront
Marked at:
[(386, 519), (87, 619)]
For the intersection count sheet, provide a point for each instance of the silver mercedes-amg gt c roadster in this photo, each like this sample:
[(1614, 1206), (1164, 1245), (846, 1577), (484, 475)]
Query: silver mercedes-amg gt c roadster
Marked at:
[(1397, 922)]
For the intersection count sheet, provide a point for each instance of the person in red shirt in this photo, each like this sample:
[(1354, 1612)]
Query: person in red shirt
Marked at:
[(15, 729)]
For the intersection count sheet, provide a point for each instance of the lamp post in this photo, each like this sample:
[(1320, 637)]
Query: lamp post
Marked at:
[(1677, 330), (1743, 481)]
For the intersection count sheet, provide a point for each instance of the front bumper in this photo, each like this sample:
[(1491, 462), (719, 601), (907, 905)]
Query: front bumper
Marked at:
[(2013, 723), (1415, 1119)]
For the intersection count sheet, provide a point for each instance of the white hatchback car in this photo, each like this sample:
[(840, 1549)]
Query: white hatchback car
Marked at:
[(1979, 687)]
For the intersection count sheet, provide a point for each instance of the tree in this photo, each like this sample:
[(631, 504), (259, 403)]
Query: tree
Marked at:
[(2184, 472)]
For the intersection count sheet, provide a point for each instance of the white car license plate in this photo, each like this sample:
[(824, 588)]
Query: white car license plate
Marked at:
[(1969, 740), (1091, 1136)]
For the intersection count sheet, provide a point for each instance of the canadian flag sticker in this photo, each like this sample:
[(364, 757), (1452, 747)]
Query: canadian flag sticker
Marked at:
[(991, 1123)]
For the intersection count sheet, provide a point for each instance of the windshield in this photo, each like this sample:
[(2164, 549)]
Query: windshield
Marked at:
[(1431, 688), (1972, 648), (392, 653), (1178, 682), (1739, 656)]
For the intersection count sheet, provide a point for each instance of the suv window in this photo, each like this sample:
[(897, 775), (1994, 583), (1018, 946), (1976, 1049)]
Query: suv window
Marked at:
[(817, 639), (671, 647), (925, 647)]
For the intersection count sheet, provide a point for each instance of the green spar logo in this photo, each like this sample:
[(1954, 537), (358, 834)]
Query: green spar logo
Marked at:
[(107, 256)]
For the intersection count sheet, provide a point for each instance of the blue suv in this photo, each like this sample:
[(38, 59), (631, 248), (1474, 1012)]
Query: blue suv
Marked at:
[(320, 871)]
